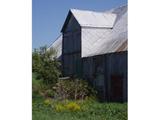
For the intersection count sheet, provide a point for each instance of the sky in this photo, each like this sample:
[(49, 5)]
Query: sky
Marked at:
[(48, 16)]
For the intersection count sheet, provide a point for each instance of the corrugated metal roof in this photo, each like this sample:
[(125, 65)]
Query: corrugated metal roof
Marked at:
[(123, 47), (101, 41), (57, 45), (94, 19), (96, 41)]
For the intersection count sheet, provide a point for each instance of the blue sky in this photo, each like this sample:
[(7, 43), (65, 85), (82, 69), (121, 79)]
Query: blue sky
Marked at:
[(48, 16)]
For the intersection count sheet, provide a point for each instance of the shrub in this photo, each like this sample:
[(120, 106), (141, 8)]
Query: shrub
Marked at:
[(49, 93), (36, 86), (73, 89), (46, 65), (41, 89)]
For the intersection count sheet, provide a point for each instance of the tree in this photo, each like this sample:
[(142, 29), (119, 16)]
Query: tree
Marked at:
[(46, 65)]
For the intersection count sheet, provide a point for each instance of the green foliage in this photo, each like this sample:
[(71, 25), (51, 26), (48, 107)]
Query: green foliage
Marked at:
[(40, 89), (68, 99), (37, 86), (72, 89), (49, 93), (59, 108), (89, 110), (48, 102), (69, 106), (45, 65), (73, 106)]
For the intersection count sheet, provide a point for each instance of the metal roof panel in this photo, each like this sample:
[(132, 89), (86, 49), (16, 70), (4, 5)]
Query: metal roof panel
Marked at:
[(94, 19)]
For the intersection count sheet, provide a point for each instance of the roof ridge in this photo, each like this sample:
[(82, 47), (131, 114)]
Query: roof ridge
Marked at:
[(73, 9), (105, 12)]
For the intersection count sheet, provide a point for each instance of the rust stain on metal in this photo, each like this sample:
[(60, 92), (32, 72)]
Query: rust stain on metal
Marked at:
[(123, 47)]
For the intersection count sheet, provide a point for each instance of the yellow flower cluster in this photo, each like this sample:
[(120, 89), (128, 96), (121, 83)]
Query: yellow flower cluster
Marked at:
[(59, 108), (48, 102), (71, 106)]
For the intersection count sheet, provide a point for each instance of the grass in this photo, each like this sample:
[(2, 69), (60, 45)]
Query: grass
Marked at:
[(49, 109), (90, 110)]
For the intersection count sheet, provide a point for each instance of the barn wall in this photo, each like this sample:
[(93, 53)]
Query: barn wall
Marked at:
[(94, 72), (116, 65), (72, 25), (71, 48), (99, 71)]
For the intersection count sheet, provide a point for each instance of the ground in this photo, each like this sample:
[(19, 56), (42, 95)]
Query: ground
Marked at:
[(90, 110)]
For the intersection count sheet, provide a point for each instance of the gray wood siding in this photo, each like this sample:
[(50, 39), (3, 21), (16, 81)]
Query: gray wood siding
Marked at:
[(71, 48), (72, 25), (116, 65), (98, 70)]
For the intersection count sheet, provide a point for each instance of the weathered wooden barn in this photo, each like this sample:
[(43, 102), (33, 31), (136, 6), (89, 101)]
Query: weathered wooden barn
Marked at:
[(93, 46)]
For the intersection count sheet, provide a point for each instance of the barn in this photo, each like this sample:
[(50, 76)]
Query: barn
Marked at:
[(94, 46)]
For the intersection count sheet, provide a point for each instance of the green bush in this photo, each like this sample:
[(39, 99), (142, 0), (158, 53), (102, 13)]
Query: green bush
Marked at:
[(49, 93), (36, 86), (46, 71), (46, 65), (41, 89)]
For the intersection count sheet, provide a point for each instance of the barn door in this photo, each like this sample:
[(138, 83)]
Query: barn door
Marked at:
[(116, 88)]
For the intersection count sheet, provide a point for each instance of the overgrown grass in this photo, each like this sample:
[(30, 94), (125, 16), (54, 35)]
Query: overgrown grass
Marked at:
[(45, 108), (89, 110)]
